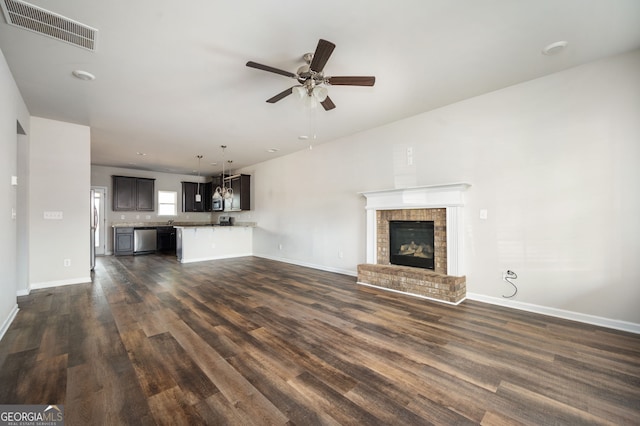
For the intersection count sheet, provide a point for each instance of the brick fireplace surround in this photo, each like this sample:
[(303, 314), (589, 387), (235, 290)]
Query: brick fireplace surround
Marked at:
[(441, 204)]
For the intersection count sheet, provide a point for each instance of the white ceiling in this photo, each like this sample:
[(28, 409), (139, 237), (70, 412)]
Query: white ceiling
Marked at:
[(172, 81)]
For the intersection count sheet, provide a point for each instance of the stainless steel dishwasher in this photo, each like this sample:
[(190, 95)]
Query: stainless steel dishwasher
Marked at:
[(144, 240)]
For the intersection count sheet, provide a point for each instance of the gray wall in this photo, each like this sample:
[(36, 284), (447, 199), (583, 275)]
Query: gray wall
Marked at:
[(12, 110), (554, 161), (59, 183)]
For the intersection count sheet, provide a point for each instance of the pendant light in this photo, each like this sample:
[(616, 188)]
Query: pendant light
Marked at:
[(223, 192), (198, 196)]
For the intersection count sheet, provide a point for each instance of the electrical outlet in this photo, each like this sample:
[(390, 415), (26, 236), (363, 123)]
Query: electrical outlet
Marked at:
[(279, 246), (340, 254), (67, 262)]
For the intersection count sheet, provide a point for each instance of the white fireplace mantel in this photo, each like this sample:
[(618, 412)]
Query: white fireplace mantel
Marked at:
[(448, 196)]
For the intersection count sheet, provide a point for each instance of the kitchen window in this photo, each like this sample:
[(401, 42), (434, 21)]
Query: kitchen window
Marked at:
[(167, 203)]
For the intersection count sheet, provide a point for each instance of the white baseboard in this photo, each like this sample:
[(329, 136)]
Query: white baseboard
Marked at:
[(559, 313), (48, 284), (204, 259), (23, 292), (7, 322), (310, 265)]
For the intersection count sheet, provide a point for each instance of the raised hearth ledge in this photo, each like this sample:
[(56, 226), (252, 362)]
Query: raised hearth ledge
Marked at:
[(417, 282)]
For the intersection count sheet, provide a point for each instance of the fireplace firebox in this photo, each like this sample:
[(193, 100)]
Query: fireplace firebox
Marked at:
[(411, 243)]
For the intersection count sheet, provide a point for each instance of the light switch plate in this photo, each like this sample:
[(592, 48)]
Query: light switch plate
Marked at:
[(51, 215)]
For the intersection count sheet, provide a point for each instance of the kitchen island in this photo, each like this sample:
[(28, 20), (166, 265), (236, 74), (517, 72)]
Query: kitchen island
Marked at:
[(199, 243)]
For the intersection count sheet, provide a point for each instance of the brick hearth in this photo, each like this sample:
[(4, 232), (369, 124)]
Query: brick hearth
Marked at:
[(415, 281)]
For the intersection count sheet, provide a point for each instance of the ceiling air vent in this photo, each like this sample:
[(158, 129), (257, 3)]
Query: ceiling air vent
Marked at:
[(36, 19)]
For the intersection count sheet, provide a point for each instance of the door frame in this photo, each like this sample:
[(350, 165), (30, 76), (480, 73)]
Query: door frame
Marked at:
[(101, 248)]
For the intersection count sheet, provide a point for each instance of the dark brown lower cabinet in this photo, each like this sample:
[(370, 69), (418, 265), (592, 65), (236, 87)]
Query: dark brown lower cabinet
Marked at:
[(123, 241), (166, 239)]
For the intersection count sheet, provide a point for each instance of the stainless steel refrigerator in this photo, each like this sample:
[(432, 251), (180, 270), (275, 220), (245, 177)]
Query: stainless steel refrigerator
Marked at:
[(93, 227)]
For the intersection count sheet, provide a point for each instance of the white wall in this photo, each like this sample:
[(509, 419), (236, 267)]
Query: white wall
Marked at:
[(60, 158), (12, 109), (555, 161), (101, 176)]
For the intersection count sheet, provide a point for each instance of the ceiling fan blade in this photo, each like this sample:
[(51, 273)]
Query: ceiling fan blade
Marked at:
[(352, 81), (280, 95), (256, 65), (321, 55), (328, 104)]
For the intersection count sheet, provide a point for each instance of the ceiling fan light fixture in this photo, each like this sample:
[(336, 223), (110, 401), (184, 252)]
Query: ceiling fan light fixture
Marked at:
[(310, 101), (312, 80), (320, 93), (301, 91)]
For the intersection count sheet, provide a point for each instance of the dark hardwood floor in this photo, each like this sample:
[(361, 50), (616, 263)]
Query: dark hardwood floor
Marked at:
[(252, 341)]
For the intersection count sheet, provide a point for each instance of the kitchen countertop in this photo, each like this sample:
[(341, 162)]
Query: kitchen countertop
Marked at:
[(235, 225), (174, 224)]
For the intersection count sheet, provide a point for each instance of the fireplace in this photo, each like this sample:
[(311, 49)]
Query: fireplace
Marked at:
[(411, 243), (439, 205)]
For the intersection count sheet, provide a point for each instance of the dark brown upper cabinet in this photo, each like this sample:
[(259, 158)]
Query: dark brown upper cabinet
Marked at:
[(189, 191), (133, 194), (241, 185)]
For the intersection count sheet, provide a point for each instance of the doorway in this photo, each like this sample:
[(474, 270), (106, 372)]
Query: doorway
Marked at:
[(98, 202)]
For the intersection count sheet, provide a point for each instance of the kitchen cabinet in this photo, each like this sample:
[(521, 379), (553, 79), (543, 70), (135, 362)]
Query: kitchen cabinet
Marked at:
[(166, 239), (216, 181), (189, 191), (122, 241), (124, 193), (145, 195), (241, 186), (133, 194)]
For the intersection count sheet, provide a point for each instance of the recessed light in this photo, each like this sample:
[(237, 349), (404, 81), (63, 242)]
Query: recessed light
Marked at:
[(141, 153), (554, 48), (83, 75), (303, 137), (272, 150)]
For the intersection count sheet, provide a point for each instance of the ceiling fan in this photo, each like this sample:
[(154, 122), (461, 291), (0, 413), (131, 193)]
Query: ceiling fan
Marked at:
[(313, 83)]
